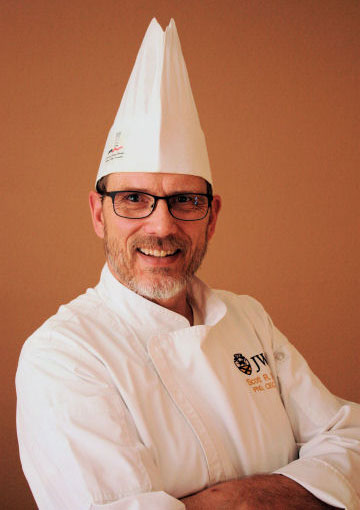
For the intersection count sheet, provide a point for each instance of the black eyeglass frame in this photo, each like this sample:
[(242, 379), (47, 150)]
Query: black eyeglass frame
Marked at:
[(112, 195)]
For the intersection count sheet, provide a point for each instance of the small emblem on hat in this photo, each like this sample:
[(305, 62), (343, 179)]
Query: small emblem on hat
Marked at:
[(117, 150), (243, 364)]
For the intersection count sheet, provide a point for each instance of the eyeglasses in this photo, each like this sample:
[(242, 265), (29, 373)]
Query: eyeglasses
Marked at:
[(138, 205)]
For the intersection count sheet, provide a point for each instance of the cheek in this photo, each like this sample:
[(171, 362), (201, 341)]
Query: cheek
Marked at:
[(198, 236), (119, 229)]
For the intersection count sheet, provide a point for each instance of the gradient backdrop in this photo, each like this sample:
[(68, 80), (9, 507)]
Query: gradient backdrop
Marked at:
[(277, 88)]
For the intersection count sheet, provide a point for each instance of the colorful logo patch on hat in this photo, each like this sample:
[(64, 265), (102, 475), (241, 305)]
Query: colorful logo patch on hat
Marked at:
[(117, 150), (243, 364)]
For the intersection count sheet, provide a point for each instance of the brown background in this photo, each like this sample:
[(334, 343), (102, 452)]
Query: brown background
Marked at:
[(277, 88)]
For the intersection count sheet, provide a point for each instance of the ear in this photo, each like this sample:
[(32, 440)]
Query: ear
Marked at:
[(97, 216), (214, 211)]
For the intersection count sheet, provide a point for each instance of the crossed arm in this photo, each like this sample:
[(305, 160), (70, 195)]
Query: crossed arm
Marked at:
[(258, 492)]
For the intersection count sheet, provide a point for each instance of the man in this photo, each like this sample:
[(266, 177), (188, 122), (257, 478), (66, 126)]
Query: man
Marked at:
[(152, 391)]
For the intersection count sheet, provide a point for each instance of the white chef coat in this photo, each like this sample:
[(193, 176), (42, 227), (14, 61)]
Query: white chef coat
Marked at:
[(123, 406)]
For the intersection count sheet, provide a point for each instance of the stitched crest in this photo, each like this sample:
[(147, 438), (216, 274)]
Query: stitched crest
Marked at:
[(243, 364)]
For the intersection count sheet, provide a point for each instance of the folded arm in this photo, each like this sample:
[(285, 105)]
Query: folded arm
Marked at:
[(326, 429), (258, 492)]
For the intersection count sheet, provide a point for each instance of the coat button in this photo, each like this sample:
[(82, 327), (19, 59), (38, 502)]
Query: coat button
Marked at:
[(279, 356)]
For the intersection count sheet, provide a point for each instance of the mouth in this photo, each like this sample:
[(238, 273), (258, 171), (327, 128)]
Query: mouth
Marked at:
[(158, 253)]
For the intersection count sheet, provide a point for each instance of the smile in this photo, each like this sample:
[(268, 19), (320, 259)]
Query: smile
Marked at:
[(157, 253)]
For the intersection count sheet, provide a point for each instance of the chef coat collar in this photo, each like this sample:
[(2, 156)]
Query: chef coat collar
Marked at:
[(144, 312), (210, 307)]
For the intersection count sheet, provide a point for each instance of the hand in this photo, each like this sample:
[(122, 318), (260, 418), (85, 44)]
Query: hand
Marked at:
[(258, 492)]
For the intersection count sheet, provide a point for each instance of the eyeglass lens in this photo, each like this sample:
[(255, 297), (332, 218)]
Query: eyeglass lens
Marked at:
[(185, 206)]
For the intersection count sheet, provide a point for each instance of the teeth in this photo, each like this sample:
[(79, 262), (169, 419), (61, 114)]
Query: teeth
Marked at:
[(156, 253)]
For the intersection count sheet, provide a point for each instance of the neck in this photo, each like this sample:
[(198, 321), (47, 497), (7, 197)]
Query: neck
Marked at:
[(179, 304)]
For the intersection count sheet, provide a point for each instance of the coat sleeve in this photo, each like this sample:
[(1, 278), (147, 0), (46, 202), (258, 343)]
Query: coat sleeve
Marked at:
[(326, 429), (78, 445)]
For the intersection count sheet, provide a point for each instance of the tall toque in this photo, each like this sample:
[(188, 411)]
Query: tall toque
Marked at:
[(157, 127)]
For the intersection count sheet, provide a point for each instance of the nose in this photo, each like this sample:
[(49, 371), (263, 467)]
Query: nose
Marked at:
[(160, 222)]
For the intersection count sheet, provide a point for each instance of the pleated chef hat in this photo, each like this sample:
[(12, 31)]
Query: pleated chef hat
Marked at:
[(157, 127)]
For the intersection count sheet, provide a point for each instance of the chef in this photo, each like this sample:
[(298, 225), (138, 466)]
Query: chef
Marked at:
[(151, 391)]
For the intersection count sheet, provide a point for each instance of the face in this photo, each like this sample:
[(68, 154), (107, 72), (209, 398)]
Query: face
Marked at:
[(154, 256)]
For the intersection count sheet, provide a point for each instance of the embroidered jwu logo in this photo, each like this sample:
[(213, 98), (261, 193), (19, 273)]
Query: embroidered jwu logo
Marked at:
[(244, 365)]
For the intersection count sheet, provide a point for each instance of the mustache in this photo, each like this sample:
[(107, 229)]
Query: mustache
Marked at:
[(168, 243)]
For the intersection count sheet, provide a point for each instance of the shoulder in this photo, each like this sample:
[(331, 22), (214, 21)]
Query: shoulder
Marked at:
[(81, 328), (242, 303), (246, 311), (77, 313)]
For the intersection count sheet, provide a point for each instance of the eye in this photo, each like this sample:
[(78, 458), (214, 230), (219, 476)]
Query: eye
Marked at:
[(183, 199), (133, 197)]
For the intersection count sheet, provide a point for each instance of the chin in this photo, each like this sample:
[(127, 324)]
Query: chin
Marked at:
[(160, 289)]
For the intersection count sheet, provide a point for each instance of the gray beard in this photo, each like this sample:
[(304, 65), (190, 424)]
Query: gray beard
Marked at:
[(165, 287)]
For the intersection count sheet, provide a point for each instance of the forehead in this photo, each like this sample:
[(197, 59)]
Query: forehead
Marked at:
[(156, 182)]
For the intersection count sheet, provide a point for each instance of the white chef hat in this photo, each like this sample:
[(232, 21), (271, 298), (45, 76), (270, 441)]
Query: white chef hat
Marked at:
[(157, 127)]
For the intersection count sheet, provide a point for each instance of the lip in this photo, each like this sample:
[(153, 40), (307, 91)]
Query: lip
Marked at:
[(159, 261)]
